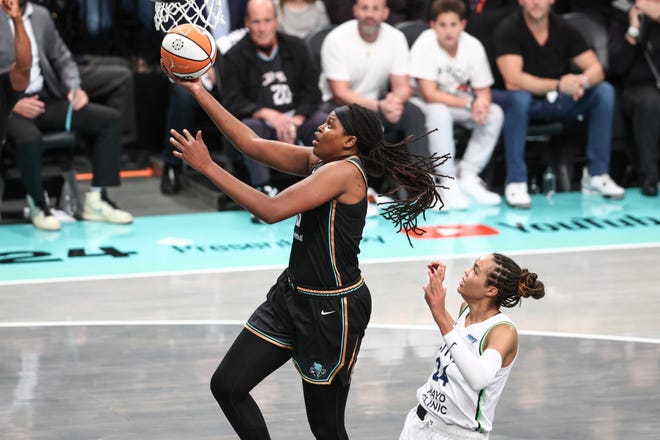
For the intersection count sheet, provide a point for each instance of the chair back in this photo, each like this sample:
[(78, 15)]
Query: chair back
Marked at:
[(594, 31), (411, 29), (314, 42)]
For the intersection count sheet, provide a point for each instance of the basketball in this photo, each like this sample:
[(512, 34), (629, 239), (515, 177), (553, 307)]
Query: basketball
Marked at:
[(188, 51)]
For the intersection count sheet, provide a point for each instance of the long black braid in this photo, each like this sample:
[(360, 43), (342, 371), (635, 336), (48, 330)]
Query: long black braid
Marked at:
[(413, 173)]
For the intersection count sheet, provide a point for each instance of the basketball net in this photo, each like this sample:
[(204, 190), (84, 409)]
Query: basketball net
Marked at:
[(171, 13)]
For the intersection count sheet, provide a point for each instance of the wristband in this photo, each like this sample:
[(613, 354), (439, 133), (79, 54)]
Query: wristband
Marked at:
[(633, 32), (468, 105)]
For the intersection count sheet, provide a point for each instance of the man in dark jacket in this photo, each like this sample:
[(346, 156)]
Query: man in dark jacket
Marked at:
[(634, 48), (270, 82)]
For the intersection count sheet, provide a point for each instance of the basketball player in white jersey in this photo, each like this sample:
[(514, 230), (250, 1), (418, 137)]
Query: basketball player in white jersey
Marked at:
[(477, 353)]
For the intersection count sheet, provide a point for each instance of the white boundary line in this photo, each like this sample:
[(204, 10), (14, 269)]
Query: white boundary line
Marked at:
[(146, 323), (362, 262)]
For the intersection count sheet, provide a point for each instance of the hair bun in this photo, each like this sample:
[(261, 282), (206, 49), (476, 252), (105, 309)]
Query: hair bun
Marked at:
[(528, 285)]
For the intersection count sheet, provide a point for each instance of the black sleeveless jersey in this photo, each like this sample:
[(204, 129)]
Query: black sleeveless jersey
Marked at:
[(326, 243)]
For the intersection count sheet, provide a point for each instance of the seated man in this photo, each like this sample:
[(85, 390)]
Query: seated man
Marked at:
[(53, 89), (16, 79), (365, 61), (453, 76), (632, 36), (269, 82), (534, 48)]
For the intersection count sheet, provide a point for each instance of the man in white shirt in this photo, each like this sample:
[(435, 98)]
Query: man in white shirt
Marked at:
[(365, 61)]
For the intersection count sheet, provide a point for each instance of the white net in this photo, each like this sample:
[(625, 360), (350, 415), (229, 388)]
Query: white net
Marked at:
[(170, 13)]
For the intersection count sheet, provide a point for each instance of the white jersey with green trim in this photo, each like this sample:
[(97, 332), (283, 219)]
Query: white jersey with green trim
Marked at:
[(447, 396)]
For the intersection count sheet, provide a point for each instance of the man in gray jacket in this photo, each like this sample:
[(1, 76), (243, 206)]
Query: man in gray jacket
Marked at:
[(16, 79), (55, 101)]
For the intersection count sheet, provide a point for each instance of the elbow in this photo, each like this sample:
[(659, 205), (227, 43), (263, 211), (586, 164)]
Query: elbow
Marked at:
[(269, 220), (476, 384), (271, 215), (510, 85), (600, 75)]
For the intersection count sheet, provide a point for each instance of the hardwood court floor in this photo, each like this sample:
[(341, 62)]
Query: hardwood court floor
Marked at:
[(131, 357)]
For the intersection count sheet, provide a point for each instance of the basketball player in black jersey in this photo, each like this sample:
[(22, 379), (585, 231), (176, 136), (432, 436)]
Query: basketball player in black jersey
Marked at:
[(317, 311)]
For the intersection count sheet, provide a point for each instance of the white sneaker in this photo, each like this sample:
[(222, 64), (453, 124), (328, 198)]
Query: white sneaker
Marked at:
[(516, 195), (475, 188), (373, 199), (99, 208), (41, 217), (270, 191), (601, 185), (453, 198)]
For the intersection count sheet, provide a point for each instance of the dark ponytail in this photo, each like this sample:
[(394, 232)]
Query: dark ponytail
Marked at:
[(412, 173)]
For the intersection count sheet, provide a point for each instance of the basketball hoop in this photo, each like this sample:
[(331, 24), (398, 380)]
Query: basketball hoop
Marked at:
[(170, 13)]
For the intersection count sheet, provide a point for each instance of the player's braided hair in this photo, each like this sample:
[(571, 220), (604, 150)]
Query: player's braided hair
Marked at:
[(512, 282), (412, 173)]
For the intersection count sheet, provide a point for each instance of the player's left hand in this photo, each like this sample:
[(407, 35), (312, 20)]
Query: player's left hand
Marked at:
[(192, 149)]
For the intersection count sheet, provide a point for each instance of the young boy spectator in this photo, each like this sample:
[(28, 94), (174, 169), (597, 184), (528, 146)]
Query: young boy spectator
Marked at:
[(453, 76)]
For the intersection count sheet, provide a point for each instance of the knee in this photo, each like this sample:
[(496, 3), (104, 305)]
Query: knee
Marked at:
[(519, 103), (649, 104), (220, 388), (318, 118), (438, 114), (411, 110), (324, 428), (413, 114), (604, 93), (254, 124), (495, 115)]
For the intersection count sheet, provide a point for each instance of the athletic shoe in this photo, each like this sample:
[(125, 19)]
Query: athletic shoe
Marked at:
[(99, 208), (41, 216), (601, 185), (170, 180), (373, 200), (476, 189), (270, 191), (516, 195), (453, 198)]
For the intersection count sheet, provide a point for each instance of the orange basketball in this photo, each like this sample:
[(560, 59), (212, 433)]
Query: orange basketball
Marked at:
[(188, 50)]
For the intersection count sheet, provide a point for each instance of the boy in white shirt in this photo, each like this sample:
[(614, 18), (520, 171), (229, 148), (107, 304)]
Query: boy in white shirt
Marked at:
[(453, 78)]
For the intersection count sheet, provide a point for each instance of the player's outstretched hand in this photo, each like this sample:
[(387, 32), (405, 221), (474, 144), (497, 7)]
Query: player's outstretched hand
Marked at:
[(192, 149), (435, 292)]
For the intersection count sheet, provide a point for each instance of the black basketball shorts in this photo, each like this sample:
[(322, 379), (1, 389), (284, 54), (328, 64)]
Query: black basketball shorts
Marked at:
[(323, 328)]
